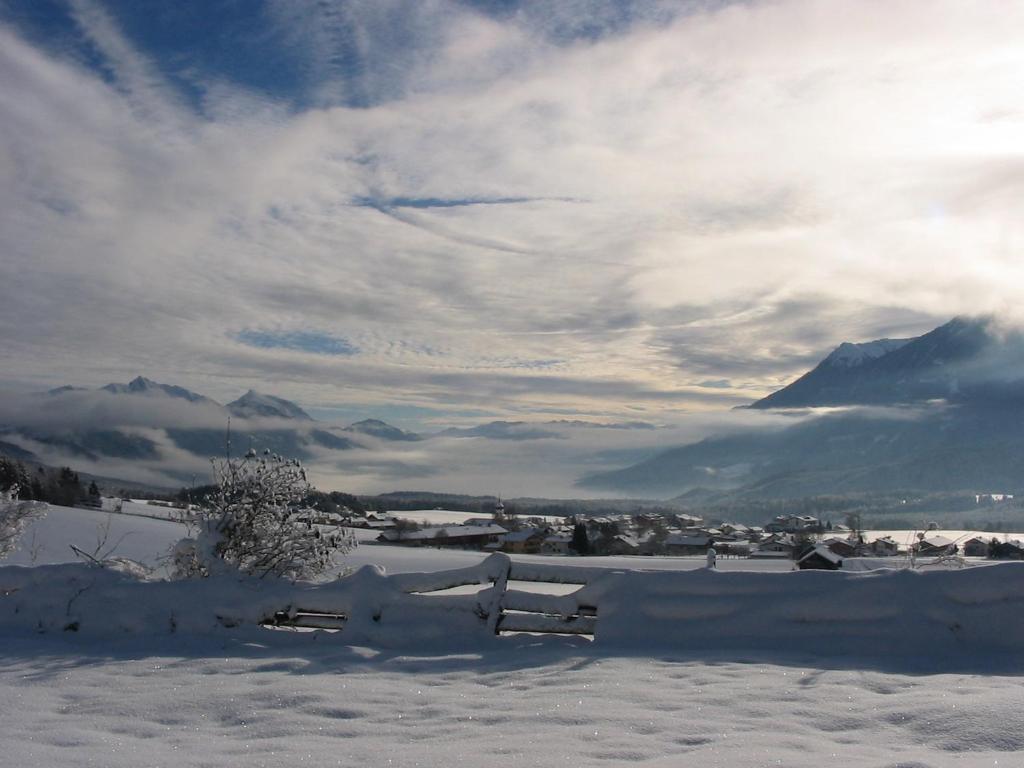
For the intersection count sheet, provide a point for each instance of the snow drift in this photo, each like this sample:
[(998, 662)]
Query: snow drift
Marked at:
[(876, 613), (879, 613)]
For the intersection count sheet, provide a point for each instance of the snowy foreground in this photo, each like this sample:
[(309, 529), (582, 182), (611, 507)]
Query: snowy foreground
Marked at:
[(307, 700), (253, 696)]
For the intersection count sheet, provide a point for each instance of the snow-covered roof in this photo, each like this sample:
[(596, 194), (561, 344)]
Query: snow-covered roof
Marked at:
[(690, 518), (823, 552), (779, 538), (937, 541), (838, 540), (379, 523)]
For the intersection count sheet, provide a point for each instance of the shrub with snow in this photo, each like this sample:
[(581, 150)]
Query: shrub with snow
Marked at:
[(256, 523), (15, 515)]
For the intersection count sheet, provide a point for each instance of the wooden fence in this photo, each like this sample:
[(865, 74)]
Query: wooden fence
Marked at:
[(503, 609)]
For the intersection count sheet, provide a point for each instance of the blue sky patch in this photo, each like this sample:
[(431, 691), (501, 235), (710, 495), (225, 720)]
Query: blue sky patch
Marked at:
[(437, 202), (302, 341)]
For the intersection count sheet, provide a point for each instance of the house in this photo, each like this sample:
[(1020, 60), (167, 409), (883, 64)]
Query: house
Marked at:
[(842, 547), (622, 545), (683, 544), (794, 524), (686, 521), (650, 542), (934, 546), (886, 546), (386, 524), (525, 542), (776, 545), (556, 544), (465, 536), (976, 547), (736, 530), (755, 533), (1007, 550), (821, 558)]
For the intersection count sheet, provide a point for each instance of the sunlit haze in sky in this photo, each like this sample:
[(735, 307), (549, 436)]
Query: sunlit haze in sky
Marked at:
[(444, 212)]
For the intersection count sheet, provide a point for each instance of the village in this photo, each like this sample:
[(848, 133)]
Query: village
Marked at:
[(808, 541)]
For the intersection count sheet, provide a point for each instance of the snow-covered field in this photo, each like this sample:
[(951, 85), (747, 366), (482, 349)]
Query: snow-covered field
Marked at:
[(264, 698), (48, 539), (295, 700)]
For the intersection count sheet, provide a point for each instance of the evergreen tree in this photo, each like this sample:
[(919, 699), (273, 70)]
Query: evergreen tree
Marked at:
[(66, 489), (580, 543), (13, 473)]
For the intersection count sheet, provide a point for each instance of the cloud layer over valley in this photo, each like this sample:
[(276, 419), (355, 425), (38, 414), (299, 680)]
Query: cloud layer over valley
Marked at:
[(448, 213)]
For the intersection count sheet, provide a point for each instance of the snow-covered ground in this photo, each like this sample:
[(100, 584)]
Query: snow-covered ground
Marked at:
[(49, 538), (296, 699), (265, 698)]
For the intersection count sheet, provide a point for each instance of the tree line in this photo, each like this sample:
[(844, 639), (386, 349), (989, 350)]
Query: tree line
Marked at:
[(61, 486)]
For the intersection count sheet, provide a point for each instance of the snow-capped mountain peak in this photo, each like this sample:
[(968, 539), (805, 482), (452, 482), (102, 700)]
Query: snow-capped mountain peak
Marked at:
[(255, 404), (850, 355), (380, 429), (962, 359)]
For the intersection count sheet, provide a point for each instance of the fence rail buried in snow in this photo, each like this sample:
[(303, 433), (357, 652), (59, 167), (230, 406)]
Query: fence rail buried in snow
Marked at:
[(966, 612), (504, 609)]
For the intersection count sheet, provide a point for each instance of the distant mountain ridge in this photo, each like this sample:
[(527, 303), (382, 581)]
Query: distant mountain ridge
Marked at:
[(382, 430), (965, 359), (141, 385), (949, 407), (265, 421)]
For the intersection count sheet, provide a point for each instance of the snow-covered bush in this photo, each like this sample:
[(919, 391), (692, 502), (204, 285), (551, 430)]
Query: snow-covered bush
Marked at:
[(255, 522), (15, 514)]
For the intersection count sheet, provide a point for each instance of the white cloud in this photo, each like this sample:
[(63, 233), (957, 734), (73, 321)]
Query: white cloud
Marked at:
[(679, 171)]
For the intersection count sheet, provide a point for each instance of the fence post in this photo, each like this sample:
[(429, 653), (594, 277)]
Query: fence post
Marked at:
[(498, 592)]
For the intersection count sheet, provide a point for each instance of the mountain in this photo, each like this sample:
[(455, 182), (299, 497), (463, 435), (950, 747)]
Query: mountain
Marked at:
[(966, 359), (136, 425), (253, 404), (382, 430), (953, 405), (930, 449), (143, 386), (62, 390)]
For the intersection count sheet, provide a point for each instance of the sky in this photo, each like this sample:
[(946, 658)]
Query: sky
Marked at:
[(440, 213)]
